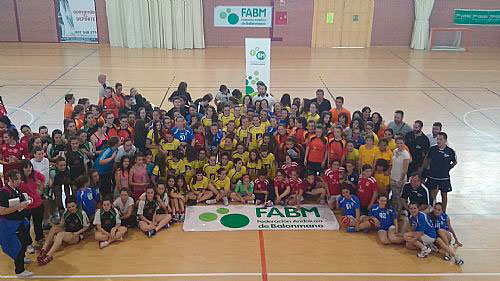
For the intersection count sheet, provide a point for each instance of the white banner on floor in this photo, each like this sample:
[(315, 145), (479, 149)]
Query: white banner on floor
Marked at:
[(251, 217), (258, 63)]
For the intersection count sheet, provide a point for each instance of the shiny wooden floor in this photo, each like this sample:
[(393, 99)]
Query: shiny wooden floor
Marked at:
[(461, 90)]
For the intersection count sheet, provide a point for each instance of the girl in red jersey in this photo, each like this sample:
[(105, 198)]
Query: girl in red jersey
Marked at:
[(12, 152), (261, 189), (333, 177), (316, 152), (296, 188), (289, 166), (367, 191), (281, 188)]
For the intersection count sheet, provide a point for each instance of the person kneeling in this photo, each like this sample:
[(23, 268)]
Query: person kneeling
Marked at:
[(108, 223), (423, 234), (350, 208), (70, 231), (149, 220)]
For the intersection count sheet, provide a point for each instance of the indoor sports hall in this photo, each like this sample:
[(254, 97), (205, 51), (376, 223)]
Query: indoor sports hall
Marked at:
[(437, 60)]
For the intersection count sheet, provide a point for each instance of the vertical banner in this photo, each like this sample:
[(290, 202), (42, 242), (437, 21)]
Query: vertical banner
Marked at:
[(76, 21), (258, 63)]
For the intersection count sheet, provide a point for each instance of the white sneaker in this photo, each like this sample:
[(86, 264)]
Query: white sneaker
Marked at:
[(30, 250), (24, 274), (458, 260), (447, 257), (211, 201), (426, 251), (225, 200), (27, 261)]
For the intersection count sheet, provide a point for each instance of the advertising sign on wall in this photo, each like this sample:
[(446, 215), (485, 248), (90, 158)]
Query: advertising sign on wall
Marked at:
[(76, 21), (243, 16), (476, 17)]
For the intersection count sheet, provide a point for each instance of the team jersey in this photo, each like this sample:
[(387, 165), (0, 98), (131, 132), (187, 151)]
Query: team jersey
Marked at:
[(385, 216), (317, 148), (269, 162), (288, 169), (228, 166), (260, 185), (75, 222), (441, 160), (226, 119), (255, 134), (185, 135), (348, 206), (242, 134), (199, 185), (353, 155), (255, 166), (382, 181), (200, 164), (199, 141), (178, 167), (332, 179), (367, 155), (147, 208), (442, 222), (18, 151), (366, 188), (211, 171), (353, 178), (170, 146), (243, 156), (296, 185), (85, 200), (228, 148), (386, 155), (207, 122), (281, 185), (164, 199), (122, 134), (423, 223), (336, 149), (235, 176), (307, 186), (312, 117), (224, 184), (108, 219)]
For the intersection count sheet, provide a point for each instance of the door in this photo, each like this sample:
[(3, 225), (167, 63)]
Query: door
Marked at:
[(342, 23)]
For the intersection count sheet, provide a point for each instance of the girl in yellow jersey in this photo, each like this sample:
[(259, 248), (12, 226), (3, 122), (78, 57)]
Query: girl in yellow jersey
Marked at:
[(242, 131), (221, 188), (211, 167), (237, 171), (200, 161), (241, 153), (189, 162), (268, 162), (312, 114), (178, 198), (175, 165), (254, 164), (228, 144), (255, 133), (225, 163), (226, 115), (199, 189), (229, 129), (209, 118)]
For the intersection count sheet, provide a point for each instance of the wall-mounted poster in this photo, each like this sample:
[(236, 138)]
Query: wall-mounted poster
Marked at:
[(76, 21)]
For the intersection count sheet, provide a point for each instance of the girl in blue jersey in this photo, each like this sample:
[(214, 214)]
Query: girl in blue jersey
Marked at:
[(444, 232), (350, 207), (385, 220), (423, 234)]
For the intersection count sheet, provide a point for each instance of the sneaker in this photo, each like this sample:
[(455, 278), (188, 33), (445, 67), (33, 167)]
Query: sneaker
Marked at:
[(27, 261), (426, 251), (24, 274), (151, 233), (459, 261), (103, 244), (167, 226), (30, 250), (211, 201), (434, 248), (225, 200), (447, 257), (351, 229)]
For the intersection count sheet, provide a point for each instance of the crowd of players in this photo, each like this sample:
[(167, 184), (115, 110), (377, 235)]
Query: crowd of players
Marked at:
[(123, 163)]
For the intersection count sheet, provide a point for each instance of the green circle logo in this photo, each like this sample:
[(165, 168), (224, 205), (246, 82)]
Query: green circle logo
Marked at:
[(208, 217), (261, 55), (233, 19), (253, 52), (235, 221), (223, 15), (222, 211)]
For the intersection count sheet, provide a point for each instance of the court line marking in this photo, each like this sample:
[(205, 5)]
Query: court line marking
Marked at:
[(55, 80), (23, 110), (464, 118), (225, 274), (54, 104), (263, 262)]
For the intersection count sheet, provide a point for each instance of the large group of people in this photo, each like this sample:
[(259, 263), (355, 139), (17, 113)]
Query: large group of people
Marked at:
[(123, 163)]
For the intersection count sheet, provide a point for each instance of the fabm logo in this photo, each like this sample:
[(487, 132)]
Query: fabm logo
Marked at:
[(288, 212), (258, 53), (227, 220), (233, 18)]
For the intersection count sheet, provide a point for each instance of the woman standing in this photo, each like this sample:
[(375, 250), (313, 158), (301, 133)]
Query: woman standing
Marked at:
[(33, 184), (99, 139), (11, 152), (400, 162), (316, 152), (138, 176)]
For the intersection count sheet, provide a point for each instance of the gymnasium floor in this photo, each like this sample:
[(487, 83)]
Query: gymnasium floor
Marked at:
[(462, 90)]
